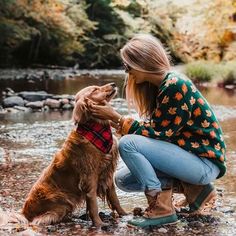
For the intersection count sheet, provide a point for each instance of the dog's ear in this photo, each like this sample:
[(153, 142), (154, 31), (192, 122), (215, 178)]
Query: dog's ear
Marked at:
[(80, 113)]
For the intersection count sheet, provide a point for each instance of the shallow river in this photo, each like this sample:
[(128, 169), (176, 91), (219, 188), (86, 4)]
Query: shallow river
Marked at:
[(29, 140)]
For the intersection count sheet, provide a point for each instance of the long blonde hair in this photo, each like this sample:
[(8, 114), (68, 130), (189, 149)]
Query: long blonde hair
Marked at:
[(144, 53)]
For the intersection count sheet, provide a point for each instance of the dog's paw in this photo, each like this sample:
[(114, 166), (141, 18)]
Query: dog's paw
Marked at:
[(122, 213)]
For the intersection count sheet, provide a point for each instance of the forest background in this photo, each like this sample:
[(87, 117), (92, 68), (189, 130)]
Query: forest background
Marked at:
[(89, 33)]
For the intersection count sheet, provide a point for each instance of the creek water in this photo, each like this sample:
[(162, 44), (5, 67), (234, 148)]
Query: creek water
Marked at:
[(29, 140)]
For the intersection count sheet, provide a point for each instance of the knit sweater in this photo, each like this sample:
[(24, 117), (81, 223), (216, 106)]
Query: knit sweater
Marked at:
[(183, 117)]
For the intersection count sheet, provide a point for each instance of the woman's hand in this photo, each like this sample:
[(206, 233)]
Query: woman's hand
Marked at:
[(105, 111)]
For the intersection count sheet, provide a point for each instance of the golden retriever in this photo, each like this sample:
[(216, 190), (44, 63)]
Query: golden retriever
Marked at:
[(78, 172)]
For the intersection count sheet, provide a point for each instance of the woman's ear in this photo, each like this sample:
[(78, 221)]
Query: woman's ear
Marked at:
[(80, 113)]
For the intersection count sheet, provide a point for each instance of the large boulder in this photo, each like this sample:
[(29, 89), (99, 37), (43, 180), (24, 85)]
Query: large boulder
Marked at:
[(34, 96), (13, 101)]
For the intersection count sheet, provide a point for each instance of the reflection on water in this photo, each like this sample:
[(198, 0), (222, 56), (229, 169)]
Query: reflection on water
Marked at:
[(31, 139)]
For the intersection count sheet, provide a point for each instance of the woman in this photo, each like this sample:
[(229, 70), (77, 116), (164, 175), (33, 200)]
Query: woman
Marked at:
[(180, 139)]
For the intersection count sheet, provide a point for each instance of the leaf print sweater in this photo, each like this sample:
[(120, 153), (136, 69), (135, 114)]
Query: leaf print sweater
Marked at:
[(183, 117)]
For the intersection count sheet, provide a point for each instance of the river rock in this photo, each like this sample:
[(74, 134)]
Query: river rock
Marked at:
[(13, 101), (67, 106), (35, 105), (34, 96), (11, 110), (64, 101), (52, 103), (24, 109), (162, 230), (64, 96)]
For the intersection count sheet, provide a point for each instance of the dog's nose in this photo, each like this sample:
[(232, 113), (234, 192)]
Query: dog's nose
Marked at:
[(113, 85)]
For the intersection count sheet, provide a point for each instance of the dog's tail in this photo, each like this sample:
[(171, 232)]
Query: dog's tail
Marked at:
[(11, 217)]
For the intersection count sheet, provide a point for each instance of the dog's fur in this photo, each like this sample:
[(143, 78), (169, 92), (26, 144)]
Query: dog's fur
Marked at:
[(78, 172)]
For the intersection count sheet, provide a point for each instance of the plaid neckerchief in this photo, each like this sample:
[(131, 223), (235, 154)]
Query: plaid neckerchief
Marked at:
[(98, 134)]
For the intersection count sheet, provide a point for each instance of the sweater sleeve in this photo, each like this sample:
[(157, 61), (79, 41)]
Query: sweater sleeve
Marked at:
[(172, 113)]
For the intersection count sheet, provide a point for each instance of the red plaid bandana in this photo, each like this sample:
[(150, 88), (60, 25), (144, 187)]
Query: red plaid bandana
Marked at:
[(98, 134)]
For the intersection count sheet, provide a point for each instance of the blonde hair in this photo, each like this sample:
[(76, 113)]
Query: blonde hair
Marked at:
[(144, 53)]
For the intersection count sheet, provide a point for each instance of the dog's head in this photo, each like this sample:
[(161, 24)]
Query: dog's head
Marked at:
[(96, 94)]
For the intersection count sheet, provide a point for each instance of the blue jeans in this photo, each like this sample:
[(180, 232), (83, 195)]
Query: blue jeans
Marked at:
[(152, 164)]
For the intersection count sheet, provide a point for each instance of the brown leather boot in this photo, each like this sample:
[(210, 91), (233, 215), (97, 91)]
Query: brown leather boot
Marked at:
[(200, 198), (159, 212), (159, 205)]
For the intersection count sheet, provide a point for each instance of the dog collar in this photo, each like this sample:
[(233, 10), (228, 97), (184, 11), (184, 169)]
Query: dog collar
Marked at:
[(98, 134)]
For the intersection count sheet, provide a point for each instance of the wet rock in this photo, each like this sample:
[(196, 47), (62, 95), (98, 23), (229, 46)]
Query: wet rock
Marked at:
[(9, 91), (72, 103), (52, 103), (11, 110), (24, 109), (84, 217), (65, 96), (197, 224), (64, 101), (45, 108), (35, 105), (227, 210), (34, 96), (13, 101), (67, 107), (162, 230)]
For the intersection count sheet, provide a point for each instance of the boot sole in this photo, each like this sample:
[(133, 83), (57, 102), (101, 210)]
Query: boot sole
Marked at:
[(209, 195), (147, 222)]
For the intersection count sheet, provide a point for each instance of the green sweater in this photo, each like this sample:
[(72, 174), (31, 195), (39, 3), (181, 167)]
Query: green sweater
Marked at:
[(184, 117)]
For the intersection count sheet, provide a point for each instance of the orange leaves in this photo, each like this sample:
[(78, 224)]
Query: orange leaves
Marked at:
[(190, 122), (145, 133), (177, 120), (184, 107), (165, 123), (158, 113), (205, 124), (171, 81), (215, 125), (222, 158), (211, 154), (212, 134), (178, 96), (205, 142), (184, 88), (217, 147), (172, 110), (165, 100), (169, 133), (201, 101), (208, 113), (187, 134), (181, 142), (157, 133), (197, 112), (195, 144), (199, 131)]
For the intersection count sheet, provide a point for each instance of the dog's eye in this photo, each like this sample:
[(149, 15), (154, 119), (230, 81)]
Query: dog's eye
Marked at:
[(94, 90)]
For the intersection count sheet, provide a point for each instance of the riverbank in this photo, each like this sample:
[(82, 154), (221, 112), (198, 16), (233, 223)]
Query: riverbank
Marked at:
[(28, 141)]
